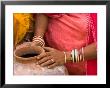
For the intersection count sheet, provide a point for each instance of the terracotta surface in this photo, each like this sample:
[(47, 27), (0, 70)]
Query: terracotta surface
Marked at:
[(27, 49), (27, 66)]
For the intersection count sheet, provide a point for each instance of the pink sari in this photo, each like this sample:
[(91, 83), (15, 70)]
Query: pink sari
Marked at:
[(69, 31)]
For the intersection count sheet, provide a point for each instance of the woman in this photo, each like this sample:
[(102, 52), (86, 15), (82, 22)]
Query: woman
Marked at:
[(72, 38), (23, 33)]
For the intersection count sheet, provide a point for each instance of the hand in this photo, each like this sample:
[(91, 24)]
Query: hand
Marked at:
[(51, 58)]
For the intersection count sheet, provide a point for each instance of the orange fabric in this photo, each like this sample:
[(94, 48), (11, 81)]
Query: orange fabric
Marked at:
[(22, 23)]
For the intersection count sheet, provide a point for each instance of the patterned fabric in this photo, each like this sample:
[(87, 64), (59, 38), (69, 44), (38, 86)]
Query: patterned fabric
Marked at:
[(22, 24), (69, 31)]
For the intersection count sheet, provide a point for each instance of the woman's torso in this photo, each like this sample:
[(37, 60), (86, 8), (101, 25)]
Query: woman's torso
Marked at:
[(68, 31)]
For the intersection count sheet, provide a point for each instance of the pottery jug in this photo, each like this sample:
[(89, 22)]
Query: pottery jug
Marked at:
[(26, 53)]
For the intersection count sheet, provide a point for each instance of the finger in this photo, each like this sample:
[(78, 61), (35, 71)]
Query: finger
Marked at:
[(52, 65), (48, 49), (42, 55), (47, 63), (48, 53), (43, 60)]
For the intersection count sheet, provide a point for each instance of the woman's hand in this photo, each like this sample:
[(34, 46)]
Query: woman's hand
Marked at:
[(51, 58)]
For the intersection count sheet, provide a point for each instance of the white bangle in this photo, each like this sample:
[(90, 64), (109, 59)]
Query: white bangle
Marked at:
[(39, 39), (76, 55), (65, 56), (41, 43), (72, 54)]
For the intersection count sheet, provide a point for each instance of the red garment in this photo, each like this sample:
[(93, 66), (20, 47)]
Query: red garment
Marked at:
[(69, 31)]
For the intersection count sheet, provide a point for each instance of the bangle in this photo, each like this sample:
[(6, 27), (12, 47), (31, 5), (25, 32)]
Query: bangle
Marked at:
[(80, 57), (41, 43), (35, 38), (73, 55), (76, 56), (65, 56), (39, 39), (81, 54)]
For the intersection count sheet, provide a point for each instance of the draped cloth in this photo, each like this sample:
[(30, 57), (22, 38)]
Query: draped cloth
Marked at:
[(68, 31), (23, 23)]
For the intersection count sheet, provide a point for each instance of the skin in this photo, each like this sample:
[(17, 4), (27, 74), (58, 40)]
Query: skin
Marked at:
[(57, 56), (40, 26)]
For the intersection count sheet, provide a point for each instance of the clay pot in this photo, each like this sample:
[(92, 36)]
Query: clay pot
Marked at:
[(25, 53)]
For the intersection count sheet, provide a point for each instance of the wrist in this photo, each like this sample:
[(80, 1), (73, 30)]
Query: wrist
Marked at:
[(39, 39), (39, 33), (69, 58)]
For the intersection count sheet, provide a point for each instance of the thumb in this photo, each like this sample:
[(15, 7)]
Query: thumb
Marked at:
[(48, 49)]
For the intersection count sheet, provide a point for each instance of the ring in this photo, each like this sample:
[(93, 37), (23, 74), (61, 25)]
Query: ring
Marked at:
[(52, 60)]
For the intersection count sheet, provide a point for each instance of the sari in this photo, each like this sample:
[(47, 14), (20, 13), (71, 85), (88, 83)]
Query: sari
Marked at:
[(68, 31), (23, 23)]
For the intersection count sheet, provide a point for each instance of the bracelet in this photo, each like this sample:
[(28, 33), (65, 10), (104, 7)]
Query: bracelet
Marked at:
[(73, 55), (35, 38), (77, 56), (39, 39), (80, 57), (41, 43), (65, 56)]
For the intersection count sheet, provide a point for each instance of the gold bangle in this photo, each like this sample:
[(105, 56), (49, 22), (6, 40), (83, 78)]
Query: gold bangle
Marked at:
[(65, 56), (39, 39)]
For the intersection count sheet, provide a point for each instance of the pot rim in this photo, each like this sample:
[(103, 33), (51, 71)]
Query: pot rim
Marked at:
[(28, 58)]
